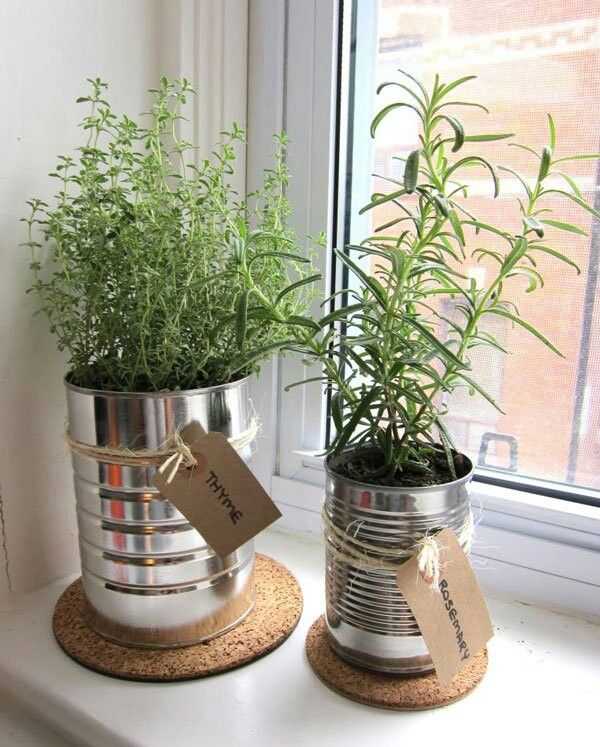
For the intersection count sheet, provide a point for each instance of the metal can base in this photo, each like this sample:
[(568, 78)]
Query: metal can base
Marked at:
[(203, 611), (404, 665), (146, 637)]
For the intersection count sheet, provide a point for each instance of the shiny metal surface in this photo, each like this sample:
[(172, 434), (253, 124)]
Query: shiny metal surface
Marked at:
[(150, 579), (368, 620)]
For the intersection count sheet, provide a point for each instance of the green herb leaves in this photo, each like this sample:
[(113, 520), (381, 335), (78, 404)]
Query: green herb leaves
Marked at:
[(151, 275)]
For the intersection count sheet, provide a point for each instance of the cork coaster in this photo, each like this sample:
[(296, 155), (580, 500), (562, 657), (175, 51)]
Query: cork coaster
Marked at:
[(275, 614), (415, 693)]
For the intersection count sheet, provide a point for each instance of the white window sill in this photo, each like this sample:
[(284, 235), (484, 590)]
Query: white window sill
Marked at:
[(544, 676)]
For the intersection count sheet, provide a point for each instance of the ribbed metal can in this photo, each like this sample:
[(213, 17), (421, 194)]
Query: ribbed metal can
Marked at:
[(150, 579), (369, 622)]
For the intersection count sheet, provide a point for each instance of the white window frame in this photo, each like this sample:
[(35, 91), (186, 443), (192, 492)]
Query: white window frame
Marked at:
[(534, 548)]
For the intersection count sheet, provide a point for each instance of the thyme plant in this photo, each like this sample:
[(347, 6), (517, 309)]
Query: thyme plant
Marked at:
[(397, 357), (153, 273)]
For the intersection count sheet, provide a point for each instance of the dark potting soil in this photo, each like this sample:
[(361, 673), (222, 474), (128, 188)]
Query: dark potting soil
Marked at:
[(362, 466)]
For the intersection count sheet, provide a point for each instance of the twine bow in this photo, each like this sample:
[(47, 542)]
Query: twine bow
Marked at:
[(181, 454), (428, 556)]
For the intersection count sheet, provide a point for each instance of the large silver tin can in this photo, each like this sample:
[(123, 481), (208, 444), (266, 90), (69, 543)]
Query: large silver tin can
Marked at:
[(149, 578), (368, 620)]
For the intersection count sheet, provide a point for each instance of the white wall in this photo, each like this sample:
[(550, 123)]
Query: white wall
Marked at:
[(47, 50)]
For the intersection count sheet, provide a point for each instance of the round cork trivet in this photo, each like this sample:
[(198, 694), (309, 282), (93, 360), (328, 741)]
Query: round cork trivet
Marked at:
[(414, 693), (275, 614)]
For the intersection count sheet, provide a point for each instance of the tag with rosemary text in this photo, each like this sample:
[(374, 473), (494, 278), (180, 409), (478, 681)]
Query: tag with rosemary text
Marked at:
[(220, 496), (453, 619)]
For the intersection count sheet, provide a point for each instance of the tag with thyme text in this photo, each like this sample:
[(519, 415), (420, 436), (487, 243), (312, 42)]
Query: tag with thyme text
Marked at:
[(454, 621), (220, 497)]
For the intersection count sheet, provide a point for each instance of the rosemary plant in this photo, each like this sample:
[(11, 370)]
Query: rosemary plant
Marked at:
[(153, 273), (397, 357)]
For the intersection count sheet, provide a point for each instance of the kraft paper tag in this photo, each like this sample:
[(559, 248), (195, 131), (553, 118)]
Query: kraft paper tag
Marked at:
[(220, 497), (454, 621)]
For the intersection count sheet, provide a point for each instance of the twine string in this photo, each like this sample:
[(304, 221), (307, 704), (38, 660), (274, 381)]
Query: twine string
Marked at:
[(174, 453), (348, 548)]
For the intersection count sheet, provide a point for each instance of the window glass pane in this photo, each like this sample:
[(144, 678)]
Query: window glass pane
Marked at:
[(530, 58)]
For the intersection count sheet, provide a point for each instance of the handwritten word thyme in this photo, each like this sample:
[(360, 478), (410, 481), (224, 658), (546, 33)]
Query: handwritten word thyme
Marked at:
[(223, 497)]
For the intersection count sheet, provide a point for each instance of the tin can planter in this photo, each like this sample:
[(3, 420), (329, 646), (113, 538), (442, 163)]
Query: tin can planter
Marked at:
[(368, 620), (149, 578)]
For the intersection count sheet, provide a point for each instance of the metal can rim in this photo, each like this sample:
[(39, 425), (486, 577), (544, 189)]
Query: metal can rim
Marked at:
[(333, 475), (166, 394)]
